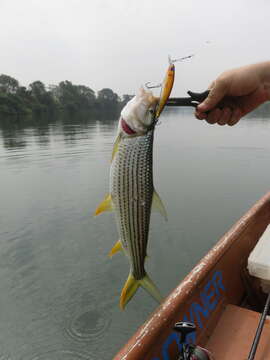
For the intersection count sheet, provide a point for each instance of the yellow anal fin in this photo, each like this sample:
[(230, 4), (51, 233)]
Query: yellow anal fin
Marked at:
[(116, 248), (116, 146), (132, 285), (158, 205), (105, 205)]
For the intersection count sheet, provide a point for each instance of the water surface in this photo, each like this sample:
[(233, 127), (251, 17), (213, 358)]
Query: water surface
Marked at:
[(59, 291)]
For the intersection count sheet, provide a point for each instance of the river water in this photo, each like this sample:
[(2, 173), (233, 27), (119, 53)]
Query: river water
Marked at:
[(59, 291)]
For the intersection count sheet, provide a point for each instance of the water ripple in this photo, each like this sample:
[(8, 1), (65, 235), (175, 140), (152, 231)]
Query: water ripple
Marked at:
[(88, 325)]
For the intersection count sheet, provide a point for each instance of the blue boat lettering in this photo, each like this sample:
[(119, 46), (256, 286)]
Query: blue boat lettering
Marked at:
[(209, 298)]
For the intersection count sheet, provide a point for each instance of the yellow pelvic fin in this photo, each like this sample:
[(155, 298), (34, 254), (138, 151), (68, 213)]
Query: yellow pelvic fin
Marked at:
[(158, 205), (132, 285), (116, 146), (105, 205), (116, 248)]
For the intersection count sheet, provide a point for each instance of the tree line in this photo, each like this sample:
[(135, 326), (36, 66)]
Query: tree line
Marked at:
[(37, 99)]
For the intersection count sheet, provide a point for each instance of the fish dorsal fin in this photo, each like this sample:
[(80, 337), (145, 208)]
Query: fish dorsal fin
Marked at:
[(116, 146), (116, 248), (105, 205), (158, 205)]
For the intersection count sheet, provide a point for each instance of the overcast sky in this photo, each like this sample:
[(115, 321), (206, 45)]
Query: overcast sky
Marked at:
[(122, 44)]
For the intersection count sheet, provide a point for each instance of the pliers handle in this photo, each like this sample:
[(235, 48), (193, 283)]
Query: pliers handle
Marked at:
[(194, 99)]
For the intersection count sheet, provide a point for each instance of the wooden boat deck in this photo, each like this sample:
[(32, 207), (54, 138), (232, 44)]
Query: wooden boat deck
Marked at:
[(234, 334)]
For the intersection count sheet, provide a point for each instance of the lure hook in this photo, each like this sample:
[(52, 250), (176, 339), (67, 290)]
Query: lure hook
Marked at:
[(152, 86)]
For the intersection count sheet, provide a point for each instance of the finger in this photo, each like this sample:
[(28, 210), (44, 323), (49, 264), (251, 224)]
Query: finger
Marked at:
[(236, 116), (225, 116), (200, 115), (217, 92), (212, 84), (214, 116)]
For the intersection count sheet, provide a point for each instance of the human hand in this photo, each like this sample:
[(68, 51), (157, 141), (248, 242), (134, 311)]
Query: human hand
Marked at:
[(235, 93)]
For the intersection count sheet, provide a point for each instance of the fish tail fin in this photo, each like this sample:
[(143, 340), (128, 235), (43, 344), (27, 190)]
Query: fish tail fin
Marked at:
[(128, 290), (132, 285), (151, 288)]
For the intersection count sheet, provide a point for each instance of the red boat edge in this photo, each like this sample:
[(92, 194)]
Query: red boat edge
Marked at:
[(219, 279)]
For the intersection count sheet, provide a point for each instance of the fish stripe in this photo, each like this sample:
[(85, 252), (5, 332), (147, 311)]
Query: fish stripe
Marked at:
[(132, 191), (134, 214), (139, 216), (131, 213)]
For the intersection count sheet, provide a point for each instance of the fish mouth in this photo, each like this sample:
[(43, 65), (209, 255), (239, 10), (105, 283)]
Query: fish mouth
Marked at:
[(126, 128)]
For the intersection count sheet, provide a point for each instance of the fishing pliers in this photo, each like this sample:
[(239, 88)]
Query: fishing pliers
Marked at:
[(194, 99)]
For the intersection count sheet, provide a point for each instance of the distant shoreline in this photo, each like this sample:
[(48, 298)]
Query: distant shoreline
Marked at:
[(65, 98)]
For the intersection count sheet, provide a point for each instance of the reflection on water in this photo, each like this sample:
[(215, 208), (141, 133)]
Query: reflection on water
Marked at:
[(59, 291)]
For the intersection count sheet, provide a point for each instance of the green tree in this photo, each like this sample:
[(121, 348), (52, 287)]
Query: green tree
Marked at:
[(38, 90), (75, 97), (8, 84), (125, 99), (108, 103), (12, 104), (107, 96), (43, 100), (87, 96), (37, 99)]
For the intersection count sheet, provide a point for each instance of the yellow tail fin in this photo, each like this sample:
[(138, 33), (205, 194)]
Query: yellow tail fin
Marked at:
[(132, 285)]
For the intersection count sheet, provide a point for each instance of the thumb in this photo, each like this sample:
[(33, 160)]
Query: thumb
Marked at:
[(217, 92)]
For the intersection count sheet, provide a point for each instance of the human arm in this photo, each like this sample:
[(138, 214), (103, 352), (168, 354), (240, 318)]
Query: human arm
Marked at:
[(238, 91)]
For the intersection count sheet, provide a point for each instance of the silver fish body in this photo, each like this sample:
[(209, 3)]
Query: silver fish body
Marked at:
[(131, 188)]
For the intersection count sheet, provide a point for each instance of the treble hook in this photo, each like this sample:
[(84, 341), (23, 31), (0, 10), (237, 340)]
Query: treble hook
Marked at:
[(152, 87)]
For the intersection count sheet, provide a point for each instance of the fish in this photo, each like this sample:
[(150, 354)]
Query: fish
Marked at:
[(132, 194)]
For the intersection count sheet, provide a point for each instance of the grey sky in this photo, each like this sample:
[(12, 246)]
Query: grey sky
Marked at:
[(122, 44)]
